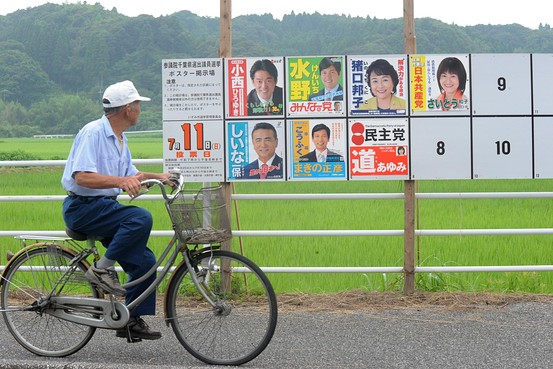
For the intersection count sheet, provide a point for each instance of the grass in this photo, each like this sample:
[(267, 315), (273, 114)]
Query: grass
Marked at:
[(337, 214)]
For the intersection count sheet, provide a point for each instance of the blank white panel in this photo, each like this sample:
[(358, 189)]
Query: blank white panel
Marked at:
[(542, 73), (501, 84), (543, 144), (502, 147), (440, 148)]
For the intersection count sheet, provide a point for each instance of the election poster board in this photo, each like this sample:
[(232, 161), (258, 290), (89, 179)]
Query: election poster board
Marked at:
[(439, 84), (196, 148), (378, 148), (467, 116), (254, 87), (378, 85), (255, 150), (317, 149), (316, 86)]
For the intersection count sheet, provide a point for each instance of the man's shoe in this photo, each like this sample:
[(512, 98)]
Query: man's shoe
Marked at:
[(138, 329), (106, 279)]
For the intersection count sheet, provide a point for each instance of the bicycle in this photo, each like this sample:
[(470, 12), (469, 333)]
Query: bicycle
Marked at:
[(220, 305)]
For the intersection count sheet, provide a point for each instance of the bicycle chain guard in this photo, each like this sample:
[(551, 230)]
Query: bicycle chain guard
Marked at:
[(92, 312)]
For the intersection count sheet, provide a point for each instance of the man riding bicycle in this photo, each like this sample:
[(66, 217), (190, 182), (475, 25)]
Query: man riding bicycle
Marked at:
[(98, 168)]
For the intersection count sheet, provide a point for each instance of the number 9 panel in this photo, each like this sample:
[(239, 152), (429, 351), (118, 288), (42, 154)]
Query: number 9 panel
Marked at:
[(501, 84)]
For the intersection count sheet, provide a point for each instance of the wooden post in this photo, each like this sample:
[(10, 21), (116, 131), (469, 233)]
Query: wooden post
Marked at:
[(225, 51), (225, 28), (409, 46)]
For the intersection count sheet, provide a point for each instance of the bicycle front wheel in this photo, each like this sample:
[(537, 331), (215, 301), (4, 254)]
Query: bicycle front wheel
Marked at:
[(29, 281), (242, 322)]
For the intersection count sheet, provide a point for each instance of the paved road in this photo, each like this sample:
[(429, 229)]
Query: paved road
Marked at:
[(514, 336)]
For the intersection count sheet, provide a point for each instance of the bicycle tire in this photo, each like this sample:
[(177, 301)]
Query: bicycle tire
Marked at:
[(27, 282), (243, 325)]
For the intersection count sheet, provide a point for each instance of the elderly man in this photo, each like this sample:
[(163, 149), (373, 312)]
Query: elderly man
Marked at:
[(98, 168)]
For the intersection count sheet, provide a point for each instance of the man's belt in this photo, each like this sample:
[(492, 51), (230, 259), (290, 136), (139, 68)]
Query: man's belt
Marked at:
[(73, 194)]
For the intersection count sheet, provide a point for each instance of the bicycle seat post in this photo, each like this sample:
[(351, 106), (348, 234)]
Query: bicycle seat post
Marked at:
[(90, 241)]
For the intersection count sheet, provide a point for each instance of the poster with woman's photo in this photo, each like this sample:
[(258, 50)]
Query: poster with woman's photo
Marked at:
[(317, 148), (254, 87), (378, 85), (439, 84)]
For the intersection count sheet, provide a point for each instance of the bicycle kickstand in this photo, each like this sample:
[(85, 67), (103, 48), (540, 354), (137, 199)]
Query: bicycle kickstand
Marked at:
[(131, 339)]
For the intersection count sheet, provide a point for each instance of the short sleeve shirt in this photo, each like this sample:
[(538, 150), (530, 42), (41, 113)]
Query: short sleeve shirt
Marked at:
[(96, 149)]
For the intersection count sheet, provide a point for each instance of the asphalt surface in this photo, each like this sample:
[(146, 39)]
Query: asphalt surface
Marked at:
[(512, 336)]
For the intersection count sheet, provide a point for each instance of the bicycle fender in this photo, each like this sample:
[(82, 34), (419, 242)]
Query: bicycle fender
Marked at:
[(37, 246), (177, 268)]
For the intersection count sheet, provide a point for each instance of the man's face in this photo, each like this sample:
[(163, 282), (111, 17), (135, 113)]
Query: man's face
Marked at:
[(329, 77), (264, 84), (320, 140), (264, 144), (133, 112)]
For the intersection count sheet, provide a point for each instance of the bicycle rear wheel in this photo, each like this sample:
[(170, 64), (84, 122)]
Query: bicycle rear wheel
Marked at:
[(28, 281), (244, 319)]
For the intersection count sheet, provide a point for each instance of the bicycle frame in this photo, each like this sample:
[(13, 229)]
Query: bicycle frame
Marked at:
[(116, 313)]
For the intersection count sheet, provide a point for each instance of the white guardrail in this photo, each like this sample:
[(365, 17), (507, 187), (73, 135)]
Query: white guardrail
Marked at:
[(324, 233)]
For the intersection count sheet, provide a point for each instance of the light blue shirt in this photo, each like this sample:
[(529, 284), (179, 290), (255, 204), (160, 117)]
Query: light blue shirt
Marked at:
[(96, 149)]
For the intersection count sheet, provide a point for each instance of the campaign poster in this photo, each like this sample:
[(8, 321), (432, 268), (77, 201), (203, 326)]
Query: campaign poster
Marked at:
[(254, 87), (316, 86), (192, 89), (196, 148), (378, 85), (255, 150), (379, 148), (439, 84), (317, 148)]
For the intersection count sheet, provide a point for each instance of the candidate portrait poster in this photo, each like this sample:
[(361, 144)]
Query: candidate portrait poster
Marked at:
[(378, 148), (316, 86), (196, 148), (378, 85), (317, 148), (439, 84), (255, 150), (192, 89), (254, 87)]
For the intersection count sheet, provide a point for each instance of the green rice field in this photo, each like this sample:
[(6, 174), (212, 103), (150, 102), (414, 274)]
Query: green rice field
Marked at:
[(376, 251)]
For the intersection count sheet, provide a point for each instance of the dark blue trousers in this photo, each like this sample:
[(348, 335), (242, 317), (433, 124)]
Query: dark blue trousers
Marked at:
[(126, 230)]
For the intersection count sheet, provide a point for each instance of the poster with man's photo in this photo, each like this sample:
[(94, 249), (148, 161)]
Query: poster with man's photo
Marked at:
[(254, 87), (255, 150), (316, 86), (317, 149)]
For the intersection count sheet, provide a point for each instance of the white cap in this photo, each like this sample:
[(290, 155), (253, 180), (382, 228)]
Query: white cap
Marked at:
[(121, 93)]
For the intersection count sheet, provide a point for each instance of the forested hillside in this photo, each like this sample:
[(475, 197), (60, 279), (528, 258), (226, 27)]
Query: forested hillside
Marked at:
[(56, 60)]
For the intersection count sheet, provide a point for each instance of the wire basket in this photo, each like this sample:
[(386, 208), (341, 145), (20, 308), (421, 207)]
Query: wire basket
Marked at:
[(200, 216)]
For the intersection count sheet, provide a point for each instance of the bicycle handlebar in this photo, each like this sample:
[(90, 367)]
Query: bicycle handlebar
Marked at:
[(177, 178)]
